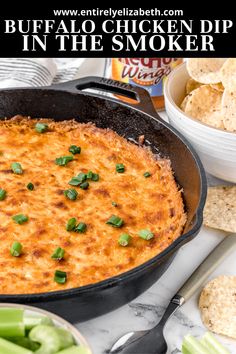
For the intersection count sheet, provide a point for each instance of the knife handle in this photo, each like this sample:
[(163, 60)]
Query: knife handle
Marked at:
[(202, 272)]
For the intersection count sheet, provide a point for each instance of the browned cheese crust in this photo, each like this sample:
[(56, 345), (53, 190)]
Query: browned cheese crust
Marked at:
[(153, 203)]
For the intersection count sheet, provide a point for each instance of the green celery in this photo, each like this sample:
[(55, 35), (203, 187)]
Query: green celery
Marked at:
[(193, 346), (48, 337), (25, 343), (66, 338), (31, 321), (7, 347), (75, 350), (11, 322), (212, 344)]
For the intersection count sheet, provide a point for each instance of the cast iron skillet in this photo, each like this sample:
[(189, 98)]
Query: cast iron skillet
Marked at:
[(69, 100)]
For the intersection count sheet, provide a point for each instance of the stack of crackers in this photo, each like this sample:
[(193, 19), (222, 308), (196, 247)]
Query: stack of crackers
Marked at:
[(211, 92)]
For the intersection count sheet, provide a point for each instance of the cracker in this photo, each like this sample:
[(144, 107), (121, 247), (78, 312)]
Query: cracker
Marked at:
[(217, 304), (192, 85), (204, 104), (218, 87), (220, 209), (184, 102), (229, 110), (205, 70), (228, 74)]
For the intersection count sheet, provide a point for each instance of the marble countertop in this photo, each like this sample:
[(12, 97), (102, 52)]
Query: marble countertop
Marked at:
[(146, 310)]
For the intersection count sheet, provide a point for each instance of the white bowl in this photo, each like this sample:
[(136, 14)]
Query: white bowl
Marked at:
[(60, 322), (216, 147)]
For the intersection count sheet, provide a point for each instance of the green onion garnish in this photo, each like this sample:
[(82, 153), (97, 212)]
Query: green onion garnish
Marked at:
[(89, 175), (147, 174), (124, 239), (120, 168), (16, 168), (75, 149), (63, 160), (75, 181), (81, 227), (71, 194), (71, 224), (84, 185), (60, 277), (41, 127), (58, 253), (115, 221), (114, 204), (3, 194), (93, 176), (20, 218), (16, 249), (145, 234), (30, 186)]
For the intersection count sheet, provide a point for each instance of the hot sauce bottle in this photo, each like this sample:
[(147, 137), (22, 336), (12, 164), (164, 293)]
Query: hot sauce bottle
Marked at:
[(148, 73)]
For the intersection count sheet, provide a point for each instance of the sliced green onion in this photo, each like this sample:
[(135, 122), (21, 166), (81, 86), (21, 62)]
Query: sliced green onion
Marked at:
[(3, 194), (93, 176), (81, 227), (8, 347), (16, 249), (11, 322), (63, 160), (71, 194), (82, 177), (30, 186), (147, 174), (71, 224), (75, 149), (20, 218), (145, 234), (115, 221), (16, 168), (60, 277), (58, 253), (41, 127), (124, 239), (114, 204), (74, 181), (84, 185), (89, 175), (120, 168)]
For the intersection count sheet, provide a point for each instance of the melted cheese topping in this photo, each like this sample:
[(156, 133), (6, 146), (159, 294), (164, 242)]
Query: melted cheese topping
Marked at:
[(152, 203)]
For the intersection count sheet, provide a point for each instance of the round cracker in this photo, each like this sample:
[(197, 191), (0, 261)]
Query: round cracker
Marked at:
[(228, 74), (204, 104), (184, 102), (192, 85), (205, 70), (217, 304), (229, 110), (218, 87)]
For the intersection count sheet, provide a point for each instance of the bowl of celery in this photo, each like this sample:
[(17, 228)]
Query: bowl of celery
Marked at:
[(29, 330)]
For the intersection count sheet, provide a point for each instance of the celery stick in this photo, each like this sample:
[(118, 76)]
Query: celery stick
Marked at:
[(31, 321), (11, 322), (193, 345), (210, 342), (66, 338), (75, 350), (48, 337), (7, 347), (24, 342)]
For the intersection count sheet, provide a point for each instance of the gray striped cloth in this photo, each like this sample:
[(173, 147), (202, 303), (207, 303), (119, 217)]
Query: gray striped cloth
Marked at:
[(15, 72)]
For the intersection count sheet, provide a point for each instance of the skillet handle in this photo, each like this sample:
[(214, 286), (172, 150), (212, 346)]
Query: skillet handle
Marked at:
[(138, 94)]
